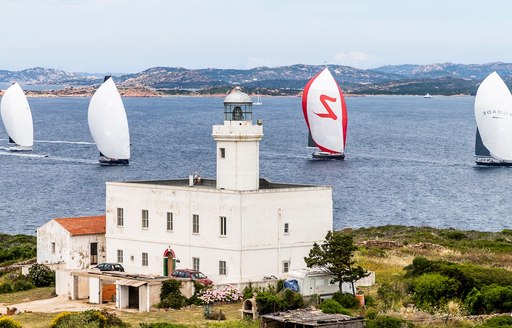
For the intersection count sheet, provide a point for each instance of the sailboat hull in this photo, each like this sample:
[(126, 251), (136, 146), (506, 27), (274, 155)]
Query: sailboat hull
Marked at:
[(107, 161), (325, 155), (491, 161)]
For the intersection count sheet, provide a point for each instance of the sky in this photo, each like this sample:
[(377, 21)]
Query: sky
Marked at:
[(128, 36)]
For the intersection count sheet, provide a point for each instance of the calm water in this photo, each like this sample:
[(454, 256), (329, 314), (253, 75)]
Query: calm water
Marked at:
[(409, 160)]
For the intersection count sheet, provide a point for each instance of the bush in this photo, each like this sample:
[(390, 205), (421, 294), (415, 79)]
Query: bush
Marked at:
[(8, 322), (346, 300), (5, 288), (86, 319), (495, 322), (490, 299), (432, 290), (267, 303), (169, 287), (331, 306), (21, 283), (161, 325), (170, 295), (291, 300), (387, 322), (41, 275)]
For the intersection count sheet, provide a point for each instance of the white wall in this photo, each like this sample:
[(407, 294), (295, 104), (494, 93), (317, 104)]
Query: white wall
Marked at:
[(255, 244), (74, 251)]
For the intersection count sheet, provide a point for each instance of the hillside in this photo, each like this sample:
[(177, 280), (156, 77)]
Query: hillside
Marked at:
[(439, 79)]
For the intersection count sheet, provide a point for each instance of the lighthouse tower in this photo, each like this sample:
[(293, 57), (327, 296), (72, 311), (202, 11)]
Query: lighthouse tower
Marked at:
[(238, 145)]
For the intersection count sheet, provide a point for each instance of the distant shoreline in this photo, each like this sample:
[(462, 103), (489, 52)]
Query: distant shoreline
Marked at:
[(150, 93)]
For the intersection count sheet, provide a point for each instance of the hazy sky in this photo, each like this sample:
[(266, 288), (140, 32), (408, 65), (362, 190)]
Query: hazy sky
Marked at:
[(130, 36)]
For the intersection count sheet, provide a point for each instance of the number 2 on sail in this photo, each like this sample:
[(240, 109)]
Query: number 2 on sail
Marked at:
[(330, 113)]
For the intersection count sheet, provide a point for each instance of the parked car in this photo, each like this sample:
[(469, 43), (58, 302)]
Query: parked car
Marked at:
[(109, 267), (192, 274)]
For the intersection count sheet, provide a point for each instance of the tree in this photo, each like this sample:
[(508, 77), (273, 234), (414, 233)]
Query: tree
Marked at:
[(335, 257)]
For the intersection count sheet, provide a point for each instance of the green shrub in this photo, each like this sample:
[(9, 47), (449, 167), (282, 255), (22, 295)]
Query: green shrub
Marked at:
[(389, 294), (346, 300), (280, 285), (41, 275), (331, 306), (432, 290), (490, 299), (21, 283), (387, 322), (8, 322), (168, 287), (455, 235), (291, 300), (267, 303), (161, 325), (5, 288), (495, 322), (371, 314), (87, 319), (198, 289), (170, 295)]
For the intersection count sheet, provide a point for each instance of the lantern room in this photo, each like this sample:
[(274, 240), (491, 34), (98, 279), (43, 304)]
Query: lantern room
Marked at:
[(237, 106)]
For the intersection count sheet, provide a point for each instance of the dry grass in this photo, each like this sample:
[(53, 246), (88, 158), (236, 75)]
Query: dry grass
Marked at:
[(192, 316), (27, 295)]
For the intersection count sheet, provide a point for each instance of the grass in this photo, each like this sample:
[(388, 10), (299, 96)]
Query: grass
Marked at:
[(192, 317), (385, 250), (27, 295)]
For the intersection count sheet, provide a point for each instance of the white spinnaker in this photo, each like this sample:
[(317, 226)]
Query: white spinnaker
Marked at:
[(108, 122), (493, 114), (326, 131), (17, 116)]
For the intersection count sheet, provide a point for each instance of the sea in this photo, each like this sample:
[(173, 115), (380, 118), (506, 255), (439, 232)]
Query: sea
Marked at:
[(409, 160)]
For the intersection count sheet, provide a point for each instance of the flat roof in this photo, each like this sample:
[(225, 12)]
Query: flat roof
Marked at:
[(212, 184)]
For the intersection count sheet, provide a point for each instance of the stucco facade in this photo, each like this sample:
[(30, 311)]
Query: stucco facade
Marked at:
[(70, 248), (264, 229)]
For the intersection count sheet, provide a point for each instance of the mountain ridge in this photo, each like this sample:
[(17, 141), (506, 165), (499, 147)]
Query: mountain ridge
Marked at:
[(438, 78)]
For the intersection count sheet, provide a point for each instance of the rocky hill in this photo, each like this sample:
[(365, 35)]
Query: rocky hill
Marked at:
[(48, 76), (444, 78)]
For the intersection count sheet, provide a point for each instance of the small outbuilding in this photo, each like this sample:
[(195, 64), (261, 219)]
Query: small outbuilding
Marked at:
[(72, 243), (309, 318)]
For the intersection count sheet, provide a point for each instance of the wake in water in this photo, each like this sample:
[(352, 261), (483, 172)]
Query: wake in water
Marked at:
[(61, 142), (65, 142), (45, 156)]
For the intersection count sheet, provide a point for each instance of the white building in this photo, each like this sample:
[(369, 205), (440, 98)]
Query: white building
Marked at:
[(237, 228), (72, 243)]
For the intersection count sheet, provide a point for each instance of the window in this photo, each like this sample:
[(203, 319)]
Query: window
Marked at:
[(195, 263), (223, 153), (119, 256), (170, 221), (222, 268), (195, 223), (53, 248), (286, 228), (120, 217), (286, 266), (223, 226), (145, 219), (144, 259)]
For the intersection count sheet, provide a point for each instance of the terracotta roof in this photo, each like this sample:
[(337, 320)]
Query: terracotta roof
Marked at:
[(87, 225)]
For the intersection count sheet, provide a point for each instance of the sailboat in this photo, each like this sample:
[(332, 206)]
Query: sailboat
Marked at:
[(428, 96), (258, 101), (325, 113), (108, 124), (17, 118), (493, 114)]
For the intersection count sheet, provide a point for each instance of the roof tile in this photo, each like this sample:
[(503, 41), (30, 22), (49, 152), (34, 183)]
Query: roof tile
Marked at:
[(87, 225)]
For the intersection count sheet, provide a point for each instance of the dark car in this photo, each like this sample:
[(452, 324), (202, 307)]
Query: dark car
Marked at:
[(109, 267), (192, 274)]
